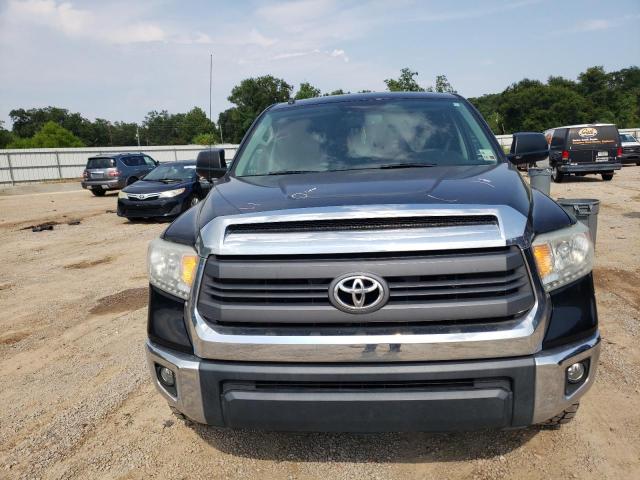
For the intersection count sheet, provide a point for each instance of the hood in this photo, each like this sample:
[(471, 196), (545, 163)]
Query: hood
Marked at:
[(152, 186), (452, 185)]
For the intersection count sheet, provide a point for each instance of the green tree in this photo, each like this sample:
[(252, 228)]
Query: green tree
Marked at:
[(335, 92), (307, 90), (27, 122), (443, 85), (206, 139), (51, 135), (5, 136), (251, 97), (405, 83)]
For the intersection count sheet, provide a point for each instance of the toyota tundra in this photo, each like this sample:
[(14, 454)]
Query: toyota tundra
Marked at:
[(373, 262)]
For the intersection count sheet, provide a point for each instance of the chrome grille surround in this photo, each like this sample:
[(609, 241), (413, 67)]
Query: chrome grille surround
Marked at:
[(518, 336)]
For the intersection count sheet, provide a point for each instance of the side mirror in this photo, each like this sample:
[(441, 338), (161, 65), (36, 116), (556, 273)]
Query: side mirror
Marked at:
[(210, 163), (528, 147)]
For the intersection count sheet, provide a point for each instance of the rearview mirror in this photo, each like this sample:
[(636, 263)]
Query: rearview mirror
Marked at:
[(210, 163), (528, 147)]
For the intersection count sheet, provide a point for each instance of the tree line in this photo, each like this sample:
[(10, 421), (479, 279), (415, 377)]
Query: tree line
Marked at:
[(596, 96)]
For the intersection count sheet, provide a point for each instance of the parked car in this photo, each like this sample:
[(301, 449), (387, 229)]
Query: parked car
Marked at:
[(630, 149), (584, 149), (167, 191), (113, 172), (373, 262)]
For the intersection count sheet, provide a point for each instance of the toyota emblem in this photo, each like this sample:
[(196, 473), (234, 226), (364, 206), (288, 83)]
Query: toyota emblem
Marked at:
[(358, 293)]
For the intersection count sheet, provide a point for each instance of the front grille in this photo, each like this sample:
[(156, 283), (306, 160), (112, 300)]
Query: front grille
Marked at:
[(424, 287), (363, 224)]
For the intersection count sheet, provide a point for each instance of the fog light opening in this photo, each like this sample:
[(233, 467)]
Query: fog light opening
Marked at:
[(576, 372), (167, 377)]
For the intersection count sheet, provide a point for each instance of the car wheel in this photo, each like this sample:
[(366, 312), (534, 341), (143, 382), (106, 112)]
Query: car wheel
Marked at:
[(607, 176), (98, 192), (556, 175), (131, 180)]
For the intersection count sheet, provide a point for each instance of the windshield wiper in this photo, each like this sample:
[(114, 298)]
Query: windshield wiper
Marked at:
[(290, 172), (170, 180), (407, 165)]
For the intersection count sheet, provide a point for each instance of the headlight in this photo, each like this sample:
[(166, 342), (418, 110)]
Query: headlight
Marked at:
[(563, 256), (172, 267), (122, 194), (171, 193)]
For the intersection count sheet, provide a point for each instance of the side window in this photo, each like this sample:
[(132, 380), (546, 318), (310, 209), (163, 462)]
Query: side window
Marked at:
[(126, 161), (149, 161), (557, 141)]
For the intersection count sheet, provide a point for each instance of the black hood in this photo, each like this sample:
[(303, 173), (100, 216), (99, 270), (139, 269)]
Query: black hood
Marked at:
[(456, 185), (152, 186), (453, 185)]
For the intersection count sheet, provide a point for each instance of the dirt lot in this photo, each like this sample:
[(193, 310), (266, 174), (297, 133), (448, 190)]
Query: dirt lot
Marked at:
[(76, 400)]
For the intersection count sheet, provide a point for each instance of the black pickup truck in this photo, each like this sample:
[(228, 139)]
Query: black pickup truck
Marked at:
[(373, 262)]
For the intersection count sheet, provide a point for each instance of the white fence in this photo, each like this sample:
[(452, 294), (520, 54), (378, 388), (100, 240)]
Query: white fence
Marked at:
[(38, 164)]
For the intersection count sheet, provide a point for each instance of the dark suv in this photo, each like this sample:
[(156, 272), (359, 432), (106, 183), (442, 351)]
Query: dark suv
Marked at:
[(584, 149), (113, 172)]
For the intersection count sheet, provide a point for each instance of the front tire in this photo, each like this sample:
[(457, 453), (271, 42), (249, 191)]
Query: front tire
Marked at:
[(563, 417), (556, 175), (192, 201), (607, 176)]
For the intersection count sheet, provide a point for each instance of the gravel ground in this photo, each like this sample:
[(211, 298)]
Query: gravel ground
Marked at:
[(77, 401)]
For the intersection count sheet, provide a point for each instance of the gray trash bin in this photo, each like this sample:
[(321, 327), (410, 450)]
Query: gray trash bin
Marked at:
[(585, 209), (540, 179)]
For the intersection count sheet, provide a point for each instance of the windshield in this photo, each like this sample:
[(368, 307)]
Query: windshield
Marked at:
[(625, 137), (100, 163), (590, 138), (365, 134), (172, 172)]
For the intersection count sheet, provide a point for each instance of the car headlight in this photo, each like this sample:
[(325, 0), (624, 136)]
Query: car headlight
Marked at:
[(171, 193), (122, 194), (563, 256), (172, 267)]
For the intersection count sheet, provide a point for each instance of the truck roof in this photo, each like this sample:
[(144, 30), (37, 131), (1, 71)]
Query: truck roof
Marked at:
[(355, 97)]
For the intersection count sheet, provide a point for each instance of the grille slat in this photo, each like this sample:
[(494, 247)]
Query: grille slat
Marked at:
[(363, 224), (474, 285)]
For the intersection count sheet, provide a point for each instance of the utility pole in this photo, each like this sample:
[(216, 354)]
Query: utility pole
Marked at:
[(210, 89), (137, 135), (213, 125)]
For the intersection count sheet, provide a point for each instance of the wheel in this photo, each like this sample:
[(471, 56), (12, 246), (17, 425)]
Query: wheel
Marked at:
[(556, 174), (131, 180), (563, 417), (192, 201), (98, 192), (638, 164), (607, 176)]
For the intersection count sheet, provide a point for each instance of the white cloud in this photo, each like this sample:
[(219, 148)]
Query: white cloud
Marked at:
[(336, 53), (75, 22), (593, 25)]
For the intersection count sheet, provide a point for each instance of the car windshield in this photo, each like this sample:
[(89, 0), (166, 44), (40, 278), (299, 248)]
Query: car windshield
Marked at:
[(363, 135), (172, 172), (625, 137)]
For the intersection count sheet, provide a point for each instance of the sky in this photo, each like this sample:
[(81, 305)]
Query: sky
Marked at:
[(121, 59)]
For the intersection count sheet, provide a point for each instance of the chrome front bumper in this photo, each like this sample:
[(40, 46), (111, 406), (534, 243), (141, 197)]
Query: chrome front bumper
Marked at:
[(549, 373)]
